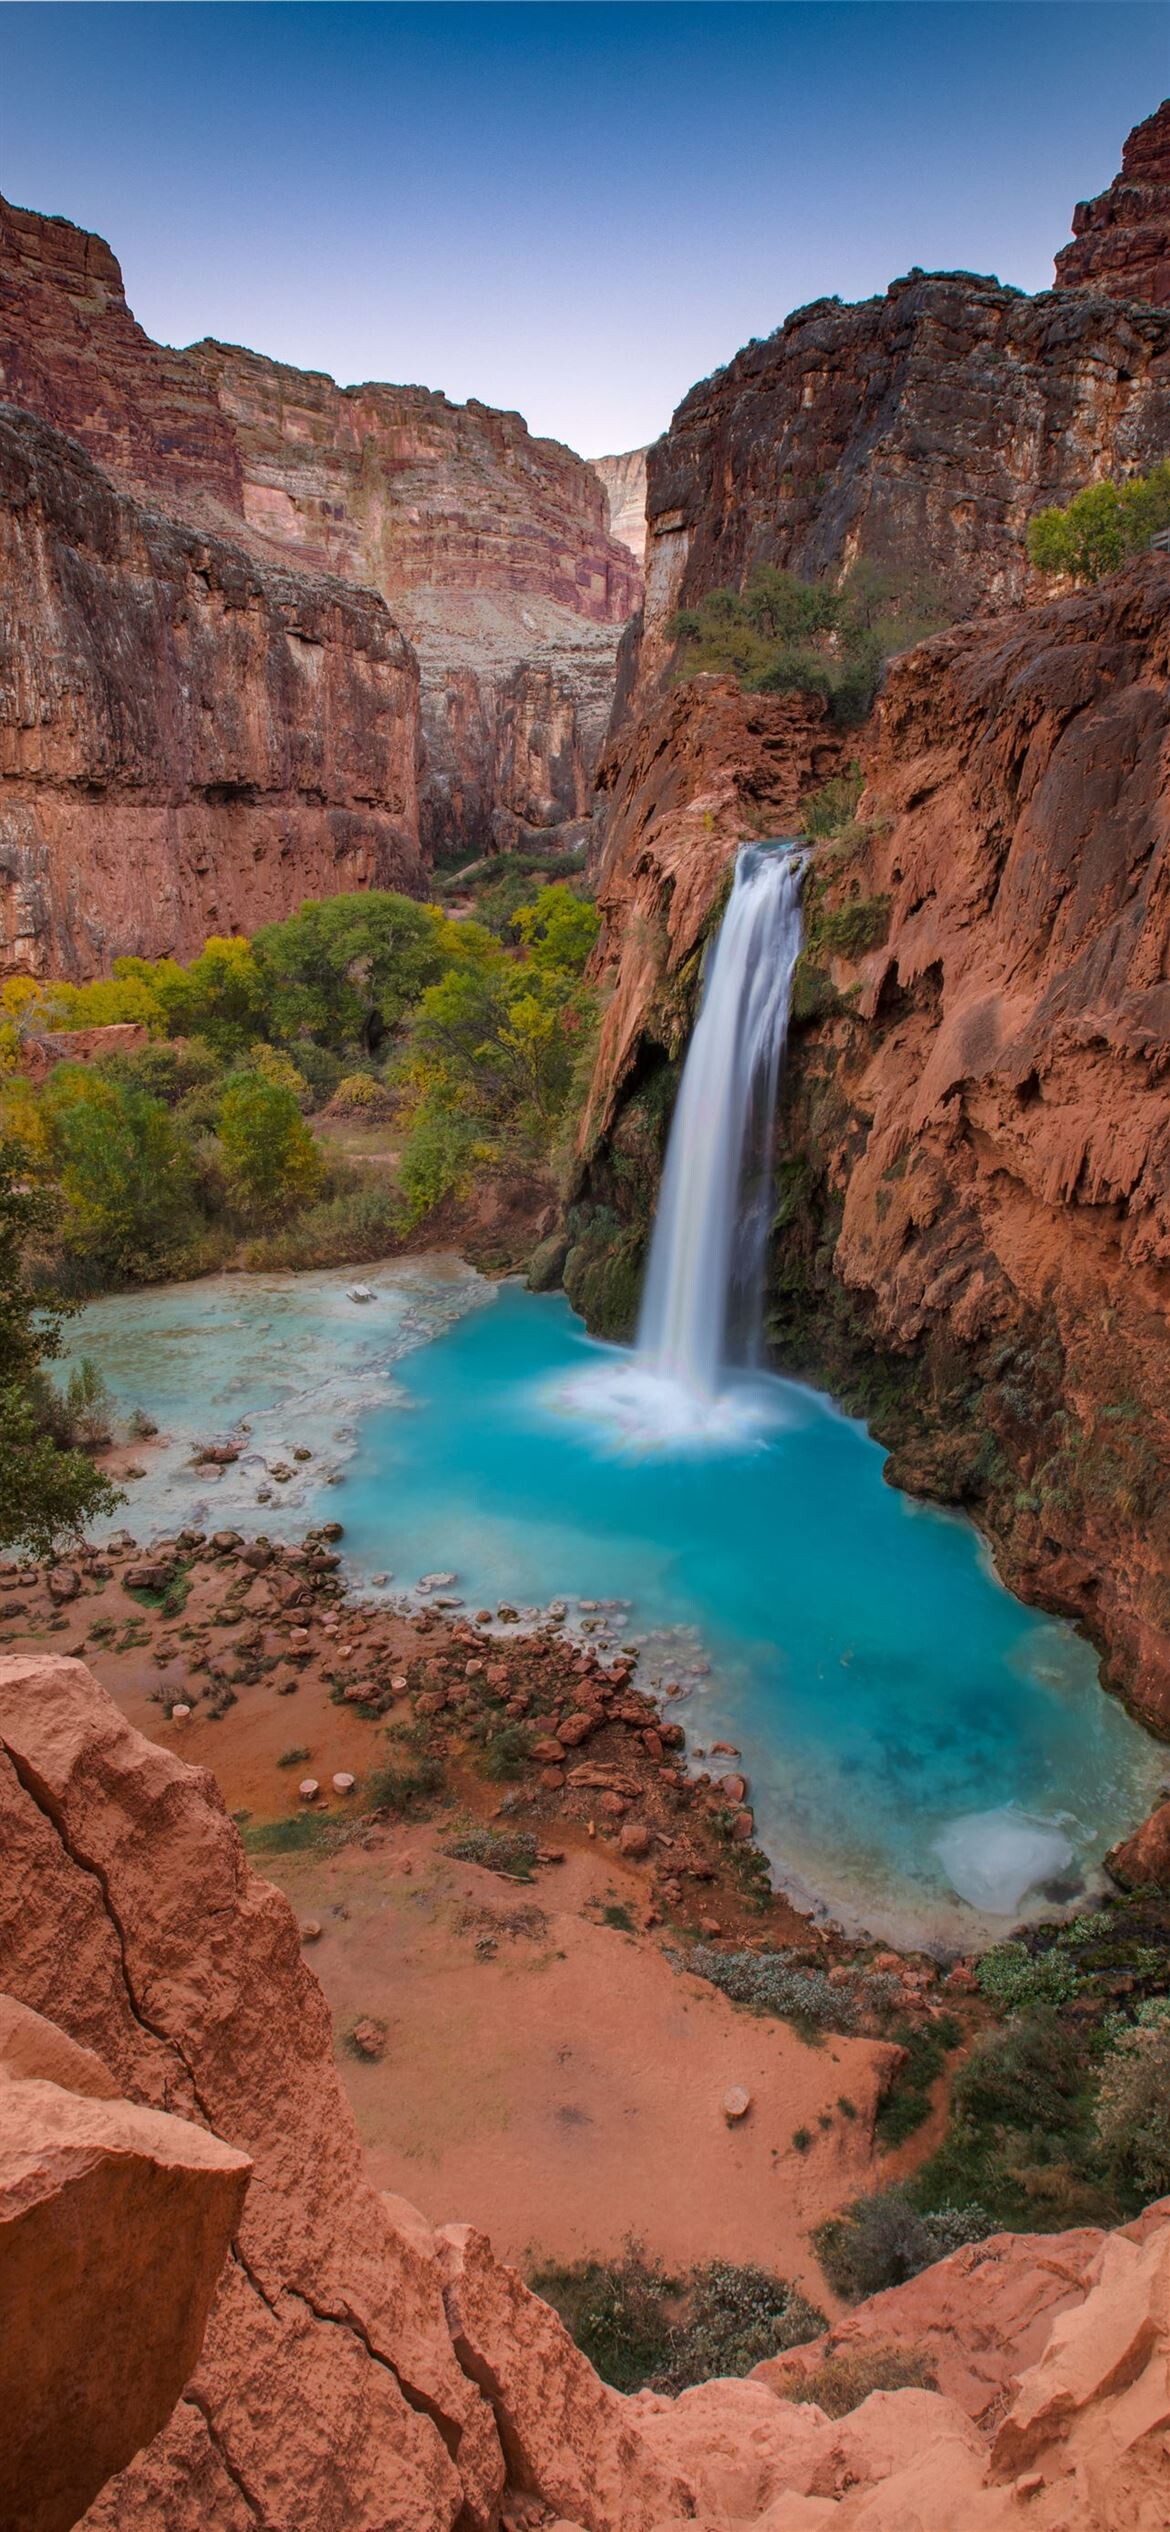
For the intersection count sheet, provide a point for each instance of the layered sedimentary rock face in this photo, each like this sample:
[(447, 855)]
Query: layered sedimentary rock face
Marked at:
[(71, 350), (625, 483), (919, 431), (491, 546), (1121, 240), (191, 740), (974, 1143)]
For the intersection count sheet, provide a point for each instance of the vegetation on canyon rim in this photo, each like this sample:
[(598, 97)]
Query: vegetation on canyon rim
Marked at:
[(780, 634), (194, 1150)]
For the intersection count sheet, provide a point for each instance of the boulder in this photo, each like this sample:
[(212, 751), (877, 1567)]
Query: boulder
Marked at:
[(115, 2221)]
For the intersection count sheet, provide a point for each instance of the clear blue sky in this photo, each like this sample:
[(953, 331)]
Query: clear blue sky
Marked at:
[(573, 209)]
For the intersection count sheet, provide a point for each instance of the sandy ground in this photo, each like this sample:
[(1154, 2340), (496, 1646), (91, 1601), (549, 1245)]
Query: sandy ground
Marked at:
[(565, 2090)]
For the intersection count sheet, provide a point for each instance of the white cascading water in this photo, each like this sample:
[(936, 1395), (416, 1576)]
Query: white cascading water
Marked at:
[(704, 1284), (701, 1308)]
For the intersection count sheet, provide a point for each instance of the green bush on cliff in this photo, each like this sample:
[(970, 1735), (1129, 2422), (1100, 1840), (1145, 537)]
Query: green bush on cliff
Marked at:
[(1101, 527), (780, 634)]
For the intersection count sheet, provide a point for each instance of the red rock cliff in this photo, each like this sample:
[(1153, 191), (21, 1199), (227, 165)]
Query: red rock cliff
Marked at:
[(191, 740), (491, 546), (1121, 240), (359, 2369), (920, 430)]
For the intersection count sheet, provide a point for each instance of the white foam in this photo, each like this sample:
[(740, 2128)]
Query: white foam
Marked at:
[(994, 1858), (628, 1406)]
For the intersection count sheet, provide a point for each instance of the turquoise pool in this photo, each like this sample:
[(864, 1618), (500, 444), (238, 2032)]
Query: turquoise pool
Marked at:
[(926, 1756)]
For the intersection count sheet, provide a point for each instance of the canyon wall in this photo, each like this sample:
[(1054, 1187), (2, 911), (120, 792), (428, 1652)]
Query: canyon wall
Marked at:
[(1121, 240), (161, 2036), (973, 1231), (919, 431), (191, 740), (491, 546), (625, 484)]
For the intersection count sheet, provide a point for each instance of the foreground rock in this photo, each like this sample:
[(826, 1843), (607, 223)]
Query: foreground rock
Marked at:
[(114, 2225), (359, 2368)]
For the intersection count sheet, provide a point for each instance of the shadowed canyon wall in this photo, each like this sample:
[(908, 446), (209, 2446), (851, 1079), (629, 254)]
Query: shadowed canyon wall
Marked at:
[(191, 740), (491, 546), (163, 2041)]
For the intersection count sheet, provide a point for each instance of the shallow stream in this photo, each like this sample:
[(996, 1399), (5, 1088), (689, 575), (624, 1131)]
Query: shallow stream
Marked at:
[(926, 1756)]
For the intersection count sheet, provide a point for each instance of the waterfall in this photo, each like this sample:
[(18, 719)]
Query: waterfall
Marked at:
[(704, 1284)]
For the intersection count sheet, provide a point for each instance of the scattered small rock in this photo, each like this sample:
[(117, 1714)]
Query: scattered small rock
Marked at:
[(310, 1930), (737, 2101), (308, 1789)]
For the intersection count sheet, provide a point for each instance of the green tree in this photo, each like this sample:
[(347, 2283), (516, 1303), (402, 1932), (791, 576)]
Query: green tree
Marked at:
[(273, 1165), (346, 967), (47, 1493), (125, 1173), (558, 930), (1102, 527), (222, 996)]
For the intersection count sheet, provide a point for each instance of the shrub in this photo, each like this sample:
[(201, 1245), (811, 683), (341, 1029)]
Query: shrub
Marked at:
[(832, 809), (905, 2104), (510, 1852), (1015, 1979), (1025, 2076), (506, 1753), (405, 1791), (352, 1228), (780, 634), (882, 2240), (641, 2327), (617, 2311), (361, 1095), (1133, 2108), (771, 1982), (735, 2317), (842, 2381), (86, 1408)]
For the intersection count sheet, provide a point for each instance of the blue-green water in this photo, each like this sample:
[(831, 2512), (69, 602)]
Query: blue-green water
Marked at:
[(885, 1691)]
